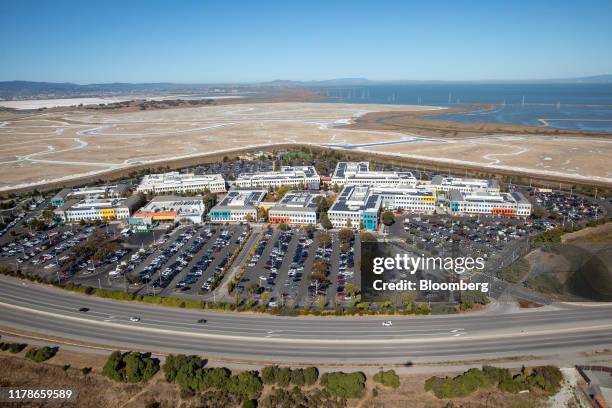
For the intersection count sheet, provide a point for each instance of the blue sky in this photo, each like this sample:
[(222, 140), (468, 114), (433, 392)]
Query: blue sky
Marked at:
[(233, 41)]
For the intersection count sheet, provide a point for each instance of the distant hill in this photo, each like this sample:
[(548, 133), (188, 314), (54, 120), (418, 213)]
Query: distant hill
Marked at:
[(327, 82), (592, 79), (27, 89), (30, 90)]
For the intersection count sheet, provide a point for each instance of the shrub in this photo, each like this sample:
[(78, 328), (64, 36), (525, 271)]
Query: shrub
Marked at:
[(249, 403), (130, 367), (86, 370), (268, 374), (545, 378), (459, 386), (173, 363), (283, 376), (388, 378), (246, 383), (297, 377), (311, 375), (344, 385), (39, 355), (13, 347)]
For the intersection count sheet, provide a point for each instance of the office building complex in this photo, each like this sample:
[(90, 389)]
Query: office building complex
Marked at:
[(358, 173), (169, 209), (409, 199), (238, 206), (464, 185), (355, 206), (175, 182), (484, 202), (296, 207), (288, 175), (91, 209), (111, 191)]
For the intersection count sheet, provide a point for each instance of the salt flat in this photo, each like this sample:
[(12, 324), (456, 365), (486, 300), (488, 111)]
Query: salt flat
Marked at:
[(54, 146)]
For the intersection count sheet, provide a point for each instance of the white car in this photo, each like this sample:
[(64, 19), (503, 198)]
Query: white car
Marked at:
[(387, 323), (134, 319)]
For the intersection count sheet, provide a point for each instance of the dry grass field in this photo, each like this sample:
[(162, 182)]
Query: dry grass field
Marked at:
[(42, 147)]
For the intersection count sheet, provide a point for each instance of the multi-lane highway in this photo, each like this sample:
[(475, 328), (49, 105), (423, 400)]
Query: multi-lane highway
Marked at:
[(55, 313)]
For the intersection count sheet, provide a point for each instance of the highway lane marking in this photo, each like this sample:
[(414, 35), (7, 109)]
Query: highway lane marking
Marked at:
[(219, 328), (311, 332), (298, 340), (518, 318)]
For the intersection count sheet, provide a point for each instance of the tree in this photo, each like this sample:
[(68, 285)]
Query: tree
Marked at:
[(297, 377), (346, 235), (246, 383), (309, 229), (265, 297), (283, 226), (139, 367), (344, 385), (388, 378), (388, 218), (325, 222), (130, 367), (311, 375), (249, 218), (538, 212), (174, 362), (318, 270), (350, 288), (367, 237), (38, 355), (282, 190), (252, 288), (324, 239)]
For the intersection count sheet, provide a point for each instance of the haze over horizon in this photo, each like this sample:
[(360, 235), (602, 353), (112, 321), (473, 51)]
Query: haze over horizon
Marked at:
[(243, 42)]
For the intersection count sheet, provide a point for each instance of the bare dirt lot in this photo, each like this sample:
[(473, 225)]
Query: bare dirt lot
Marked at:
[(38, 148)]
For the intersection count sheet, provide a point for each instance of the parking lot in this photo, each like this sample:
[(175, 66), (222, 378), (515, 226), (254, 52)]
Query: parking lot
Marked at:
[(187, 261), (278, 273)]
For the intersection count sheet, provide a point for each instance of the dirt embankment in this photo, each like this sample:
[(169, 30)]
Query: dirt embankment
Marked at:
[(417, 122)]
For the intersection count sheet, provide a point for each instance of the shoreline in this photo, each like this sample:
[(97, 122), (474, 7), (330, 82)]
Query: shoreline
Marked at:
[(416, 122)]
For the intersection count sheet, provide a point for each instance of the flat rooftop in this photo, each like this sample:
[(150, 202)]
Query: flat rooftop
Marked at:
[(188, 205), (348, 170), (355, 198), (174, 177), (284, 172), (236, 199), (297, 201), (439, 180), (98, 203)]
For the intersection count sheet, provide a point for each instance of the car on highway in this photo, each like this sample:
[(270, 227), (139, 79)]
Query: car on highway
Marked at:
[(84, 309), (134, 319), (387, 323), (201, 321)]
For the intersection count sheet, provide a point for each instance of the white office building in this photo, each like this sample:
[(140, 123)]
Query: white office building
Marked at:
[(176, 182), (296, 207), (421, 200), (464, 185), (356, 206), (170, 209), (484, 202), (103, 209), (358, 173), (238, 206), (288, 175)]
